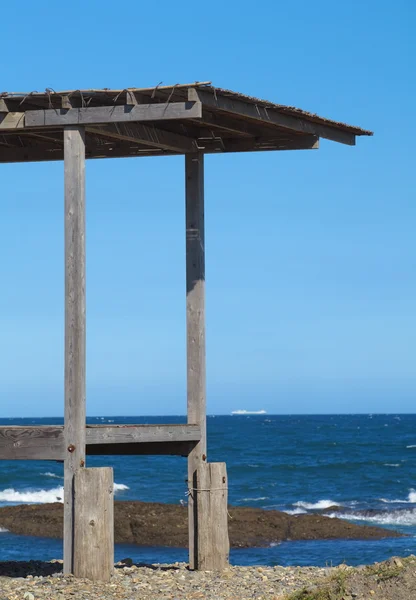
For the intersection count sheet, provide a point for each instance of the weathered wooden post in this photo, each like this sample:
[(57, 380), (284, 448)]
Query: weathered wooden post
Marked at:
[(207, 510), (212, 512), (94, 525), (195, 325), (74, 428)]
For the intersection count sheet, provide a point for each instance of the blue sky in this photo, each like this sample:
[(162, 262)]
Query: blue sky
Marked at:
[(311, 256)]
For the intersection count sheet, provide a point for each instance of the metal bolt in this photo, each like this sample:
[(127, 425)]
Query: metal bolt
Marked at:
[(204, 457), (71, 448)]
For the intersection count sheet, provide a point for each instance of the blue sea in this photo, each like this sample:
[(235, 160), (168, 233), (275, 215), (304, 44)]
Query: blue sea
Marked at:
[(297, 464)]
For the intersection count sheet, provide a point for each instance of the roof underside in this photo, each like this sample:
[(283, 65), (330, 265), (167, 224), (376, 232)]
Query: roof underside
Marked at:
[(157, 121)]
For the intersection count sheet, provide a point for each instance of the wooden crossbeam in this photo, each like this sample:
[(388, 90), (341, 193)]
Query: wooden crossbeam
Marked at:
[(48, 442), (112, 114), (148, 135), (269, 115), (32, 443), (125, 434)]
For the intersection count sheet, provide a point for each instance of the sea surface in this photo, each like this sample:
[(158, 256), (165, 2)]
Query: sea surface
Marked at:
[(298, 464)]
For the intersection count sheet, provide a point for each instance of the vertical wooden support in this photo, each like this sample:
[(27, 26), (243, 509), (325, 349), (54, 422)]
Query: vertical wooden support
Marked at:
[(195, 324), (94, 525), (212, 500), (74, 166)]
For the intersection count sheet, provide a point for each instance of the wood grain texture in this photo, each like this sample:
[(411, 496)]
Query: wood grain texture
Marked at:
[(125, 434), (32, 443), (74, 166), (94, 525), (195, 326), (212, 500), (259, 113), (113, 114)]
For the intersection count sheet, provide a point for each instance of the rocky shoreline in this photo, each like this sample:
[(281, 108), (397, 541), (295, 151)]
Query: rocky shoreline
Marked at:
[(153, 524), (392, 580)]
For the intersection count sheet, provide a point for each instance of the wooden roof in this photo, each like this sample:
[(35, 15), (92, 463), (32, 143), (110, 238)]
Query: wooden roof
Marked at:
[(157, 121)]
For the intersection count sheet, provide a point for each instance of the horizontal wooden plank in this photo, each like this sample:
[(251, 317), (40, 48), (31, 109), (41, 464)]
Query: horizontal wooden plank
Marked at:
[(142, 449), (269, 115), (148, 135), (126, 434), (113, 114), (32, 443)]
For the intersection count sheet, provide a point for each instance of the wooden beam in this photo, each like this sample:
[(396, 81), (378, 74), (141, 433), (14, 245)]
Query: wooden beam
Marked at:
[(32, 443), (74, 166), (112, 114), (269, 115), (148, 135), (299, 142), (12, 120), (126, 434), (142, 449), (195, 323)]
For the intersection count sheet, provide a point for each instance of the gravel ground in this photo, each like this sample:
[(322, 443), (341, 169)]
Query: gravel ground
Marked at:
[(395, 579)]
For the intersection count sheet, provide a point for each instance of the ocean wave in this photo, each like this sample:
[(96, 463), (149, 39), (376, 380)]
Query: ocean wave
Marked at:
[(48, 474), (296, 511), (320, 505), (254, 499), (411, 499), (411, 446), (119, 487), (394, 517), (392, 464), (42, 496), (3, 530)]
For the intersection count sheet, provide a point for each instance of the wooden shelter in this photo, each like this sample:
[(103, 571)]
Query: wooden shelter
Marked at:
[(191, 119)]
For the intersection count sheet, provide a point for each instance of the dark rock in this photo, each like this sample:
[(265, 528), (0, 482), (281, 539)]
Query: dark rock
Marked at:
[(152, 524)]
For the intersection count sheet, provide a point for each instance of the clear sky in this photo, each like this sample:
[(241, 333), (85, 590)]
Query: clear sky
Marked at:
[(311, 279)]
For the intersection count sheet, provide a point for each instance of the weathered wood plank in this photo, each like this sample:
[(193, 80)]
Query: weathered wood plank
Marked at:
[(148, 135), (195, 323), (269, 115), (125, 434), (32, 443), (113, 114), (212, 500), (74, 166), (94, 524), (12, 120)]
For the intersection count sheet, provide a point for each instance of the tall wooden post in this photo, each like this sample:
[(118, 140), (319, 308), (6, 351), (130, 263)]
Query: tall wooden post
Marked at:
[(195, 323), (74, 165)]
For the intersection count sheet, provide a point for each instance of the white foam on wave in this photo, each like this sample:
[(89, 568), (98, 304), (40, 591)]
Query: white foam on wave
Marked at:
[(411, 446), (255, 499), (411, 499), (392, 464), (42, 496), (48, 474), (3, 530), (320, 505), (34, 496), (296, 511), (394, 517), (119, 487)]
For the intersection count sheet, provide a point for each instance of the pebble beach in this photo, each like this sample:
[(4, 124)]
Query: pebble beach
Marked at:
[(392, 580)]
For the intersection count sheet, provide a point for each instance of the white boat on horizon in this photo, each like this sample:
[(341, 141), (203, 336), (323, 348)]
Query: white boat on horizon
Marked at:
[(248, 412)]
